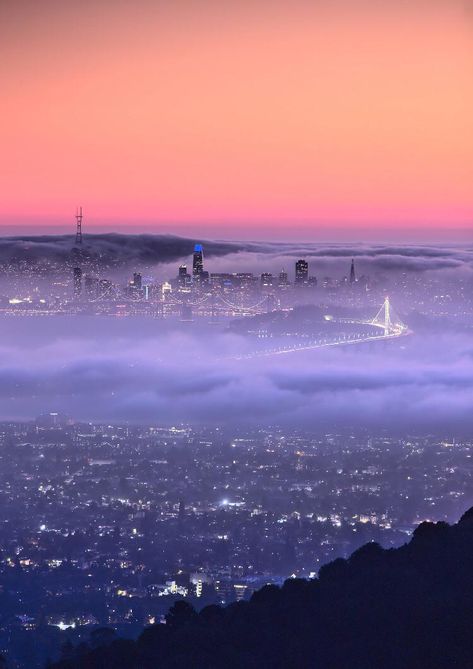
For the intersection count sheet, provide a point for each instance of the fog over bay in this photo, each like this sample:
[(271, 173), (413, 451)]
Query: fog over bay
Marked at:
[(149, 370)]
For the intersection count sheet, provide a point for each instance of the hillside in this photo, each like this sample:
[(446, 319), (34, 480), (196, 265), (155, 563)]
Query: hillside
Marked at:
[(404, 608)]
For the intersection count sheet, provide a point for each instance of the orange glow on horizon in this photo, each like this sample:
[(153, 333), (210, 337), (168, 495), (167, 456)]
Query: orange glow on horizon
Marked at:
[(352, 112)]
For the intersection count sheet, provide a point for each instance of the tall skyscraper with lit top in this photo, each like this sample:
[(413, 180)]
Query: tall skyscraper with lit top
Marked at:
[(198, 261)]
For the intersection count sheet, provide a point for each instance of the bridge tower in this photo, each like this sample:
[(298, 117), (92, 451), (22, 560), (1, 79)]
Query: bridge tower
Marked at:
[(383, 319), (213, 318), (387, 317)]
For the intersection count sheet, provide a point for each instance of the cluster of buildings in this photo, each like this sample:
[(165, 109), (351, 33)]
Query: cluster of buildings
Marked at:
[(87, 281), (200, 278), (197, 292), (109, 524), (197, 279)]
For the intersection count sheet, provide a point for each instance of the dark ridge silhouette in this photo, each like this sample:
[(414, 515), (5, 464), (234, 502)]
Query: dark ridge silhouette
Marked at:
[(404, 608)]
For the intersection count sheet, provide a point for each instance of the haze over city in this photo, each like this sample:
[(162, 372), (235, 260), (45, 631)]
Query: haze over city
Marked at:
[(236, 326)]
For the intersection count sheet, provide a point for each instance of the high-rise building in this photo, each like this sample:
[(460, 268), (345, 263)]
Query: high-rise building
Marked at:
[(183, 277), (266, 279), (135, 287), (312, 281), (198, 261), (77, 281), (283, 279), (302, 272), (352, 272)]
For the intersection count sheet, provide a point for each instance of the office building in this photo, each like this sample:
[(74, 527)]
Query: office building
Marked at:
[(302, 272)]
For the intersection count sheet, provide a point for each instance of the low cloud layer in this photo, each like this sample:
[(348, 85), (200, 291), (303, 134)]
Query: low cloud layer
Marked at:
[(148, 251), (96, 370), (146, 370)]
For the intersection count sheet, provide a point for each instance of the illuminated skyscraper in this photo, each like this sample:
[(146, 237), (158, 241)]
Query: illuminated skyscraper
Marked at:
[(266, 280), (198, 261), (183, 278), (302, 272), (283, 279)]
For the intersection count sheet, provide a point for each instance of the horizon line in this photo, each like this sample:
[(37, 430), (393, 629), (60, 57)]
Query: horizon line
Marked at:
[(326, 233)]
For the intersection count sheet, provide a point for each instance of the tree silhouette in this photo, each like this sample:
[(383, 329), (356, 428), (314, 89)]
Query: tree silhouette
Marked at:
[(404, 608)]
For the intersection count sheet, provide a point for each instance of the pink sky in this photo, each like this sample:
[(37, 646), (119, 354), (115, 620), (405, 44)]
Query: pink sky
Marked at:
[(238, 116)]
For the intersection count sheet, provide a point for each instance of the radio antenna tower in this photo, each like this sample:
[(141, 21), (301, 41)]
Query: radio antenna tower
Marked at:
[(79, 226)]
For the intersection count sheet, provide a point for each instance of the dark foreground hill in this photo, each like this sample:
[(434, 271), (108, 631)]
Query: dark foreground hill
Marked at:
[(405, 608)]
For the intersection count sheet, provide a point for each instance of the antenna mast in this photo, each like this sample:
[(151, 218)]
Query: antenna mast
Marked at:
[(79, 226)]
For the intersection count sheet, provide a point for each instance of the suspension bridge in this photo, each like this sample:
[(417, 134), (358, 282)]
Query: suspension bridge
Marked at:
[(386, 320), (386, 324), (220, 304)]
